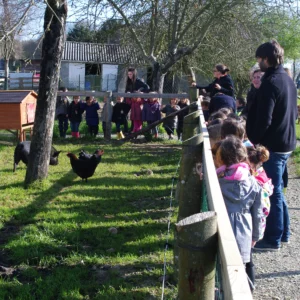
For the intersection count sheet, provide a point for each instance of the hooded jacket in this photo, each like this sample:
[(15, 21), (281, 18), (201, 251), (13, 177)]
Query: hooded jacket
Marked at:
[(271, 118)]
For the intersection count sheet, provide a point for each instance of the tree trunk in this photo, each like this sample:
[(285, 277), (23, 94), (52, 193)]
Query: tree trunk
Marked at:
[(197, 242), (6, 73), (158, 78), (53, 44)]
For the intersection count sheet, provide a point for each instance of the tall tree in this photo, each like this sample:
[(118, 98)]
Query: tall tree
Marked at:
[(167, 31), (52, 48)]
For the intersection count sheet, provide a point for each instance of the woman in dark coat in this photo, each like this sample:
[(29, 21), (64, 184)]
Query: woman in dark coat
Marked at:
[(135, 84), (182, 103), (255, 84), (222, 83)]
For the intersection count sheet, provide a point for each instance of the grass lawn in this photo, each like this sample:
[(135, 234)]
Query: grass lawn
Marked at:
[(55, 241)]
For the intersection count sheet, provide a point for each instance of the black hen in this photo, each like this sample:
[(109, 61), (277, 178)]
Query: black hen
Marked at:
[(22, 151), (86, 167), (85, 156)]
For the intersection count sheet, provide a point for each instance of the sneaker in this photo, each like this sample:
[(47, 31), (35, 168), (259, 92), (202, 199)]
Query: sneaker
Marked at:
[(285, 241), (265, 246)]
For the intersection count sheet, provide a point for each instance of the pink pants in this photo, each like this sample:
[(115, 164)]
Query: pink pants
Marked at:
[(137, 125)]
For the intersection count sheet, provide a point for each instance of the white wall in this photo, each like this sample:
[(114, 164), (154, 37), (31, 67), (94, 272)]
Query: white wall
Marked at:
[(109, 77), (76, 76)]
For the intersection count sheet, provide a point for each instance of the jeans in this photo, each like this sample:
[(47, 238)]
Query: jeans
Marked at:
[(62, 125), (118, 126), (74, 126), (93, 130), (154, 130), (278, 221)]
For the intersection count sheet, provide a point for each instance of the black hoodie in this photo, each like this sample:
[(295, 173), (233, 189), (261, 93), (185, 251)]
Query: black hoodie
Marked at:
[(272, 116)]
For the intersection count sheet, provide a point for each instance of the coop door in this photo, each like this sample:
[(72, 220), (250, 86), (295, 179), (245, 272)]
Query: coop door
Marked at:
[(30, 110)]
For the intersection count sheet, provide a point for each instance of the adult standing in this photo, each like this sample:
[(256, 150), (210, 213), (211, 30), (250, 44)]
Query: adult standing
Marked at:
[(271, 122), (255, 84), (222, 82), (62, 106), (134, 83)]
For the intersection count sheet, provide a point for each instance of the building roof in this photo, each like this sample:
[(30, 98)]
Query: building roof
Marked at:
[(101, 53), (13, 96)]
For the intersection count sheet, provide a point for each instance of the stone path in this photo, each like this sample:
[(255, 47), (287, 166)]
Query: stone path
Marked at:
[(278, 273)]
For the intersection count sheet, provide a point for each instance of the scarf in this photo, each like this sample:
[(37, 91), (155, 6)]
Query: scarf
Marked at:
[(239, 171)]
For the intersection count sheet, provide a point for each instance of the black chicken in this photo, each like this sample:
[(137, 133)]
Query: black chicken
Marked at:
[(86, 156), (22, 151), (86, 164)]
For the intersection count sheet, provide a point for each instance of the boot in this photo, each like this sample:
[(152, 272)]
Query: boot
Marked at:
[(155, 135), (76, 134), (118, 135), (122, 135), (73, 134)]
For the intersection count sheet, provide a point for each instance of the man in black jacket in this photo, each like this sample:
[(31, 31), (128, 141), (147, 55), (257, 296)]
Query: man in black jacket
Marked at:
[(271, 122)]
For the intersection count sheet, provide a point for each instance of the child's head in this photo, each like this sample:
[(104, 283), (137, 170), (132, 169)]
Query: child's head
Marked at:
[(240, 102), (232, 127), (257, 156), (76, 99), (185, 101), (153, 99), (119, 99), (216, 115), (205, 104), (137, 99), (214, 134), (231, 151), (173, 101), (233, 116), (89, 100), (225, 110), (215, 122)]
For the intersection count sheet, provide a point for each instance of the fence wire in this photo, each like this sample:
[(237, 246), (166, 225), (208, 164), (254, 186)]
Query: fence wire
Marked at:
[(168, 231)]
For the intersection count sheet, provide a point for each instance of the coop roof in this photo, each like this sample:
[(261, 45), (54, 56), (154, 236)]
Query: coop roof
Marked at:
[(101, 53), (14, 96)]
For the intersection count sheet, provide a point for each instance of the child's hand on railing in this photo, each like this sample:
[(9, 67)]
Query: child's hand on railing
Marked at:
[(199, 170)]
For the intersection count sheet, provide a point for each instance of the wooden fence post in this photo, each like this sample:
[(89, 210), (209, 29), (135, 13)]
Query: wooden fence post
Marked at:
[(193, 94), (191, 124), (189, 187), (108, 116), (197, 241)]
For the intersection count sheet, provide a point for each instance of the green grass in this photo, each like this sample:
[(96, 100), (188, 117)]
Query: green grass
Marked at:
[(296, 158), (55, 235)]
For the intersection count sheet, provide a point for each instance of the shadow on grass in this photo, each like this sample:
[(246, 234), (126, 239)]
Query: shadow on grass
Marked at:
[(27, 214), (96, 282)]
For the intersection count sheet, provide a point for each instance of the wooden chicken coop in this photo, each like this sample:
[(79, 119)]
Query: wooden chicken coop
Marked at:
[(17, 111)]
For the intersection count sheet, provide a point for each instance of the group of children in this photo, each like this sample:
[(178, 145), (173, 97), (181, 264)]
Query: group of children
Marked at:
[(243, 181), (142, 110), (73, 112), (148, 110)]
